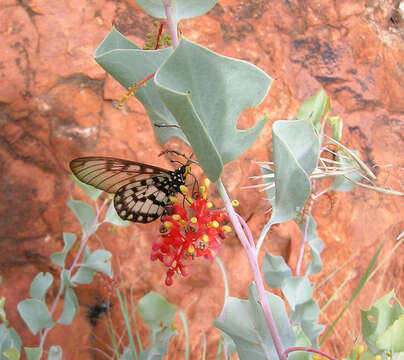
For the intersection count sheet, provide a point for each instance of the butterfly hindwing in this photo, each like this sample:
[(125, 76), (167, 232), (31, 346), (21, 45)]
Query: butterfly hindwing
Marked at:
[(141, 191), (143, 201)]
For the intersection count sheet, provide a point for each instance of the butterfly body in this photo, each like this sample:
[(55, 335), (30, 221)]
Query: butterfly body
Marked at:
[(141, 191)]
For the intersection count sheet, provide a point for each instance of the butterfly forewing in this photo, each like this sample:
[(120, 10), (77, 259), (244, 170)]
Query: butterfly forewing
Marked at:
[(141, 191), (110, 174)]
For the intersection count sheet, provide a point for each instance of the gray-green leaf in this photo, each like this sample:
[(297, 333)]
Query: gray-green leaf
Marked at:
[(297, 290), (244, 322), (35, 314), (296, 148), (128, 65), (181, 9), (58, 258), (206, 92), (313, 108), (55, 353), (9, 339), (70, 307), (159, 346), (33, 353), (301, 341), (306, 315), (156, 311), (275, 270), (11, 354), (40, 285), (378, 320), (99, 261), (84, 214), (315, 243), (83, 276), (113, 218), (92, 192)]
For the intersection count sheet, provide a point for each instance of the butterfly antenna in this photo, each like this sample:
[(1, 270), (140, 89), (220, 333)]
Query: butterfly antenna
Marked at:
[(188, 159)]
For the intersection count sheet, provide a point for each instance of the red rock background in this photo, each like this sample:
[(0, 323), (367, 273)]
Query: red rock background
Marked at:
[(56, 103)]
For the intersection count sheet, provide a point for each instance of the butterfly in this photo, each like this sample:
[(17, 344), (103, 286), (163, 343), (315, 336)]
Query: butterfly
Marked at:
[(142, 192)]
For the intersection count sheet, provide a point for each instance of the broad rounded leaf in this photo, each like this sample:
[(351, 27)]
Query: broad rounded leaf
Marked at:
[(313, 108), (296, 150), (9, 339), (182, 9), (228, 344), (33, 353), (126, 354), (58, 258), (244, 322), (316, 245), (275, 270), (129, 65), (99, 261), (11, 354), (378, 319), (55, 353), (159, 346), (297, 290), (155, 310), (84, 214), (336, 126), (35, 314), (83, 276), (40, 285), (70, 307), (312, 330), (206, 92), (301, 341), (315, 265), (92, 192), (306, 315), (392, 338), (308, 311), (113, 218)]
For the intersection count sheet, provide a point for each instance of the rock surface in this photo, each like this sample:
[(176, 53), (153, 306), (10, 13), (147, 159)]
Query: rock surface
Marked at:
[(56, 103)]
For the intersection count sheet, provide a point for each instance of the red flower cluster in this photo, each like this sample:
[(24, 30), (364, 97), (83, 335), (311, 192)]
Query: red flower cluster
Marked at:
[(182, 238)]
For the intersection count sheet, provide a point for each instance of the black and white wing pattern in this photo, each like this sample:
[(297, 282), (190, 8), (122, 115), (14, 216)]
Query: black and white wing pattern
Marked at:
[(141, 191)]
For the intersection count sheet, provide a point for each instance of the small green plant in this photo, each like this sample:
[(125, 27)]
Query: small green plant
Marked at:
[(35, 311), (10, 342)]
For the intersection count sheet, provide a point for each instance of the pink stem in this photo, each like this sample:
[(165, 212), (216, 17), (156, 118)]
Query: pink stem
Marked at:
[(302, 246), (252, 258), (171, 23), (247, 230), (301, 348)]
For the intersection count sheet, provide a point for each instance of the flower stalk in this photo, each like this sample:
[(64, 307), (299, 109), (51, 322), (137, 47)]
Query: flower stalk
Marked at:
[(171, 22), (253, 260), (315, 351)]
